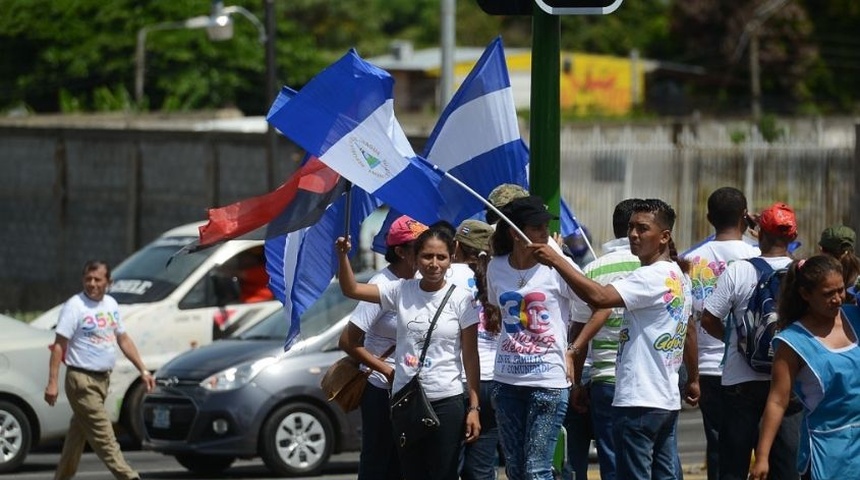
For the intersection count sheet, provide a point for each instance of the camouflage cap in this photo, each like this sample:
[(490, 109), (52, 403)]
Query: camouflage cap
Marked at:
[(504, 193)]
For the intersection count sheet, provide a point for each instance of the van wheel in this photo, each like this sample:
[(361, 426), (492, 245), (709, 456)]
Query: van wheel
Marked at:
[(204, 464), (131, 416), (15, 437), (297, 439)]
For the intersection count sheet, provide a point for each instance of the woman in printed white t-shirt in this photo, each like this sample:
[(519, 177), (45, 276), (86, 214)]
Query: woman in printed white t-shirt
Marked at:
[(453, 348), (370, 334), (651, 342), (532, 386)]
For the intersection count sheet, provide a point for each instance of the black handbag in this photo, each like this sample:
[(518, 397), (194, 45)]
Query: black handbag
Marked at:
[(412, 416)]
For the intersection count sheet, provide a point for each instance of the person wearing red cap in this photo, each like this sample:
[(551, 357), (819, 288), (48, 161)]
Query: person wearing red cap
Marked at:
[(369, 337), (744, 391)]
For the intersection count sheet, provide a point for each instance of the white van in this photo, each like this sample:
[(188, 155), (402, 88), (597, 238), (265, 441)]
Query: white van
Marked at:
[(172, 304)]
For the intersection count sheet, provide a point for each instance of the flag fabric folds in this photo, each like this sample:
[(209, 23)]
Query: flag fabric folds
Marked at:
[(302, 263), (477, 138), (345, 116), (297, 203)]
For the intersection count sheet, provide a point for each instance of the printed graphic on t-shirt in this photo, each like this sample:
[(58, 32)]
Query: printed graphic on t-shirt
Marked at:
[(704, 275), (670, 344), (99, 328), (528, 324)]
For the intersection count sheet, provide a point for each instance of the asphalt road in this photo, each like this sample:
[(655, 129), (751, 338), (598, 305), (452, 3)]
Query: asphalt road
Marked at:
[(40, 465)]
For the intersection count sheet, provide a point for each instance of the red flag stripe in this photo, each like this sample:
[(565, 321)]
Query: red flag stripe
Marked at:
[(247, 215)]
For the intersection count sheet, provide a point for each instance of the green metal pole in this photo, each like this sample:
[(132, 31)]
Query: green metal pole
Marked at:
[(545, 137)]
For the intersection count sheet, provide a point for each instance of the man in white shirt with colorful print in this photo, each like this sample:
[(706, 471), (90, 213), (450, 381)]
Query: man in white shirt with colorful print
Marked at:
[(88, 329)]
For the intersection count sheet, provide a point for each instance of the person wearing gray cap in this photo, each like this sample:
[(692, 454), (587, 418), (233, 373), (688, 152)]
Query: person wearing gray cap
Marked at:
[(838, 242)]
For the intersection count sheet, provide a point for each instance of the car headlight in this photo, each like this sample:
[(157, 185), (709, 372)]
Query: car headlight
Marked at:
[(237, 376)]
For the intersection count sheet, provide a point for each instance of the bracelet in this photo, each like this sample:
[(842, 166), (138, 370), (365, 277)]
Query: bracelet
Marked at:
[(473, 409), (576, 350), (145, 373)]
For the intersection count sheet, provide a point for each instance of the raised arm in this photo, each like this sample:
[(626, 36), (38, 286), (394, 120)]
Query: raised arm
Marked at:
[(593, 293), (346, 278)]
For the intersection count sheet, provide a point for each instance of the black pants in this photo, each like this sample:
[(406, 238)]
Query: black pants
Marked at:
[(437, 456)]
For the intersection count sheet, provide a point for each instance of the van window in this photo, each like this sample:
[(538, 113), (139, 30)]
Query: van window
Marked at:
[(146, 276), (241, 279), (322, 315)]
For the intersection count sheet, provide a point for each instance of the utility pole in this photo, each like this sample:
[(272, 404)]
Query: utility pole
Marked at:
[(271, 91), (755, 77), (449, 43)]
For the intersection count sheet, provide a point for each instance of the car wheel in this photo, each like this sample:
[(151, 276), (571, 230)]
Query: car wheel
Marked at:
[(204, 464), (132, 414), (297, 439), (15, 437)]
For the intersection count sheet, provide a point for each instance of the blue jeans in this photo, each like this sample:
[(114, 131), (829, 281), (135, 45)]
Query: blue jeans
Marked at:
[(378, 459), (529, 419), (711, 407), (481, 456), (644, 443), (743, 406), (602, 394)]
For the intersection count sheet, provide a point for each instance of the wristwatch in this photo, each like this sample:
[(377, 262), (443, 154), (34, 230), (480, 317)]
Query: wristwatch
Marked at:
[(474, 408), (576, 351)]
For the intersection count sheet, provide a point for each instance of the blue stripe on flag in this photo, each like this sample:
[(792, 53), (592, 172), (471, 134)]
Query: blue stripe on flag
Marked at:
[(477, 138), (304, 262)]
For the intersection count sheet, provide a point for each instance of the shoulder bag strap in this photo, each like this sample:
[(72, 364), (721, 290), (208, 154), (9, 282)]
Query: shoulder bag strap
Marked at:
[(387, 352), (432, 327)]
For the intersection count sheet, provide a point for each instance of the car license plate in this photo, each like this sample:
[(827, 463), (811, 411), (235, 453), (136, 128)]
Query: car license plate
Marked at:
[(161, 417)]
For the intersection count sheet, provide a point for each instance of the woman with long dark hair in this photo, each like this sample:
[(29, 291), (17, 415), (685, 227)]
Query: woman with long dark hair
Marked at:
[(452, 349)]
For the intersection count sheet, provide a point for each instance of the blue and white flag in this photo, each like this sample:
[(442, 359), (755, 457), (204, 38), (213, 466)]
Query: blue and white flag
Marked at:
[(301, 264), (477, 138), (345, 117), (569, 224)]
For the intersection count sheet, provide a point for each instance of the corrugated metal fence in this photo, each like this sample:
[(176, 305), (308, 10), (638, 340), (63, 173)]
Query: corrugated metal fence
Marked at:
[(811, 171)]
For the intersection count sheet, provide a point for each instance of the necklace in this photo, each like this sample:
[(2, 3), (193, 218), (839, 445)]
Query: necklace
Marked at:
[(522, 282), (522, 274)]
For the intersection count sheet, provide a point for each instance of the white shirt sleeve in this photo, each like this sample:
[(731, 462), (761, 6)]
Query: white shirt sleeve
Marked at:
[(641, 289), (721, 302)]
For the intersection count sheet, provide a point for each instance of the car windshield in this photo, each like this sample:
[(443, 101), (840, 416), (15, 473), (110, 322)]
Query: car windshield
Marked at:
[(325, 312), (146, 276)]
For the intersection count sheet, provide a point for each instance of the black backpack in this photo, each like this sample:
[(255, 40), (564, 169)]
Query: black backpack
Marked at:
[(757, 327)]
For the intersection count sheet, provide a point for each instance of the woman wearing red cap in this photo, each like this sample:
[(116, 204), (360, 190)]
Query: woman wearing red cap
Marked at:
[(369, 337)]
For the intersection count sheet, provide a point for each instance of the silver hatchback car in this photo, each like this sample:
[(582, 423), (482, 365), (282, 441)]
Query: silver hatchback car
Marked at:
[(244, 397)]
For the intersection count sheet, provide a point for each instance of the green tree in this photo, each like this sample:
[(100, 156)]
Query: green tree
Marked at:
[(710, 33)]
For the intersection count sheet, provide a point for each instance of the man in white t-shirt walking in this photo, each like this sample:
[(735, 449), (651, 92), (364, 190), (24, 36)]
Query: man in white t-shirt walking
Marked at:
[(744, 391), (600, 332), (727, 212), (87, 330), (651, 342)]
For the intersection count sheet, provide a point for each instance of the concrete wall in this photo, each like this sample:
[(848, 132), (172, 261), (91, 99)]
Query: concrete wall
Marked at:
[(68, 195)]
